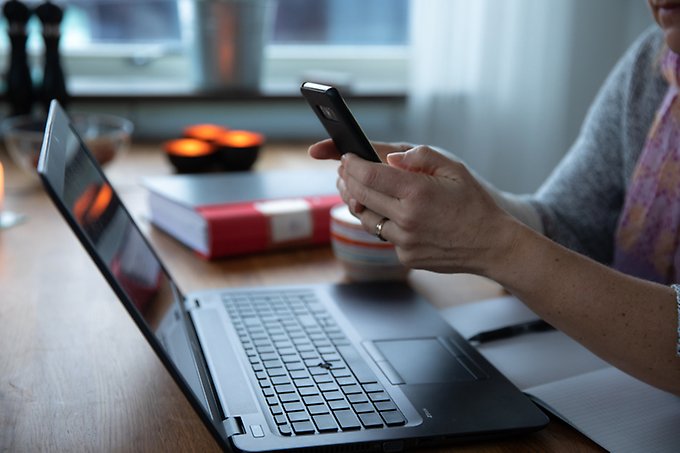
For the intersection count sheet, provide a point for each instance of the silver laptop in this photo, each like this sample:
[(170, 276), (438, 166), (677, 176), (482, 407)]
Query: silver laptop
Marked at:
[(337, 367)]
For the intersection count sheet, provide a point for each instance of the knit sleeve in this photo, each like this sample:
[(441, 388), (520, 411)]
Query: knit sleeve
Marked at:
[(580, 202), (676, 288)]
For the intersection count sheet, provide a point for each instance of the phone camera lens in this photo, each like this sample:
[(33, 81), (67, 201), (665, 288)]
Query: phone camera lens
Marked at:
[(328, 112)]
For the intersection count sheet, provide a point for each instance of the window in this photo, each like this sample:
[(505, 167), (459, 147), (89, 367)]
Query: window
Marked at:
[(151, 43), (341, 22)]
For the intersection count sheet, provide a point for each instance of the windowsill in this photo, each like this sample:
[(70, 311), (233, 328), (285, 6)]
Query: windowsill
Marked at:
[(96, 89)]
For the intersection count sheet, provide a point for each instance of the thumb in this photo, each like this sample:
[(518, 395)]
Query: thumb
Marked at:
[(423, 159)]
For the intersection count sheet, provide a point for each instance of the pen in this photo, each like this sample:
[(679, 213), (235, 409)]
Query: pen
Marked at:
[(511, 331)]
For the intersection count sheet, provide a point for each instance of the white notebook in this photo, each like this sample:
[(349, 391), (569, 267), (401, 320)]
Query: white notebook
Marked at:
[(616, 411)]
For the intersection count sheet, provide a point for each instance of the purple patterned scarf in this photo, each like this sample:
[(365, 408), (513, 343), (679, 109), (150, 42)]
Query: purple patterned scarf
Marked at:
[(646, 243)]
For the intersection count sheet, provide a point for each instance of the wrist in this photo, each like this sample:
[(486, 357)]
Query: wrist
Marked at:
[(506, 256)]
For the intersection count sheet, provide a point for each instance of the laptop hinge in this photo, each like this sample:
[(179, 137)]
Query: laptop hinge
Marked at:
[(233, 426), (190, 304)]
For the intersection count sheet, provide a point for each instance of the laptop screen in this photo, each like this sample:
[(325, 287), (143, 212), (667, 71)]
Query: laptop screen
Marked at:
[(94, 211)]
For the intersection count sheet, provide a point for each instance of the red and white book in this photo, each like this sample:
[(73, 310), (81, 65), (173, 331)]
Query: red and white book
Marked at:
[(226, 214)]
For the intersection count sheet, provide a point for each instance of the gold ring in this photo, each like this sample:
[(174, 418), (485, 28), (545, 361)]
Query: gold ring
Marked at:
[(379, 227)]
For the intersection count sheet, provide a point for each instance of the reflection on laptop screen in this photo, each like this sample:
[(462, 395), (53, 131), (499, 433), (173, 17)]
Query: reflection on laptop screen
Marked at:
[(107, 230), (99, 213)]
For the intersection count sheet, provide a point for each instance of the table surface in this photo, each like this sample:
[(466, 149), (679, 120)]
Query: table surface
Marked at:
[(75, 372)]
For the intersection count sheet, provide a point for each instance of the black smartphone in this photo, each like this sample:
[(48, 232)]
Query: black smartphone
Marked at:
[(338, 120)]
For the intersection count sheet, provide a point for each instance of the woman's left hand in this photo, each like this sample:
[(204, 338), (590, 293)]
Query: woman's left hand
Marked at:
[(440, 217)]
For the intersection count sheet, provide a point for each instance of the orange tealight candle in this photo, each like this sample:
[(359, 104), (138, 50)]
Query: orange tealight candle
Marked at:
[(206, 132), (190, 155), (239, 149)]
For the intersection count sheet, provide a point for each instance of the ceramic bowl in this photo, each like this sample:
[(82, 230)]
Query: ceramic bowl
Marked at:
[(363, 256)]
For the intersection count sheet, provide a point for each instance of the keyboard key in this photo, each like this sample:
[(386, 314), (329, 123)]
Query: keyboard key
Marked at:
[(279, 371), (268, 391), (271, 400), (290, 358), (294, 366), (278, 380), (269, 356), (328, 387), (385, 406), (347, 381), (276, 409), (299, 374), (325, 423), (339, 373), (393, 418), (307, 321), (332, 396), (272, 364), (285, 430), (357, 398), (308, 391), (359, 367), (281, 419), (362, 408), (347, 419), (309, 355), (373, 388), (284, 388), (317, 371), (371, 420), (303, 382), (303, 428), (351, 389), (317, 409), (338, 404), (310, 400), (298, 416), (322, 377), (293, 407), (289, 397), (379, 396)]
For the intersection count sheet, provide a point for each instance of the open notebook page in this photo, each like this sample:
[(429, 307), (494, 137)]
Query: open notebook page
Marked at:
[(615, 410)]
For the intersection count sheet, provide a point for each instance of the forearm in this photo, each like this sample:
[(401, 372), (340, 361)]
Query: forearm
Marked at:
[(630, 323)]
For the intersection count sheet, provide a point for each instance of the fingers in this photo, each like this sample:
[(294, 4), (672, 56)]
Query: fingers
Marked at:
[(361, 175), (353, 204), (360, 193), (383, 149), (324, 149), (423, 159), (371, 219)]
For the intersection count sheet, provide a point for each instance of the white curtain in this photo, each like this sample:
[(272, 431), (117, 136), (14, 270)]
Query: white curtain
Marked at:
[(493, 80)]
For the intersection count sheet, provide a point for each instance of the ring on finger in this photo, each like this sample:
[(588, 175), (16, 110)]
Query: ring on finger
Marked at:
[(379, 227)]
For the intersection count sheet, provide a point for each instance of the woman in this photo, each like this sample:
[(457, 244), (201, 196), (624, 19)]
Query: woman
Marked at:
[(595, 252)]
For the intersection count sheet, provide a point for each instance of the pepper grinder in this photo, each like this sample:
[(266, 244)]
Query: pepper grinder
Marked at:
[(53, 84), (19, 84)]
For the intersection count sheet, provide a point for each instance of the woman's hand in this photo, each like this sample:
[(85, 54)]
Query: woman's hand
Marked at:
[(440, 218)]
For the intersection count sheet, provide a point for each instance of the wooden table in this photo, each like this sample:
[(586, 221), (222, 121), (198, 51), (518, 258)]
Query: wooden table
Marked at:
[(77, 375)]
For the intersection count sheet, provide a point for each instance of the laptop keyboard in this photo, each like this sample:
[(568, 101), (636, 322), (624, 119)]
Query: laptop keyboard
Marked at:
[(313, 379)]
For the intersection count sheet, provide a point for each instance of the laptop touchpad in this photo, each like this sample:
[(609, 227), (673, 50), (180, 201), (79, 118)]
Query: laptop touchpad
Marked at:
[(423, 361)]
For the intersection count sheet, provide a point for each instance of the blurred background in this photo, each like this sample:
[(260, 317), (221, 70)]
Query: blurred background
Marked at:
[(503, 84)]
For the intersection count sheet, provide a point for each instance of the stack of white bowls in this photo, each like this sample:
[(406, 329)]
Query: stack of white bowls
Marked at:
[(364, 256)]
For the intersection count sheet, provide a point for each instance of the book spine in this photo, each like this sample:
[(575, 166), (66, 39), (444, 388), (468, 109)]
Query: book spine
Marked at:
[(242, 228)]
